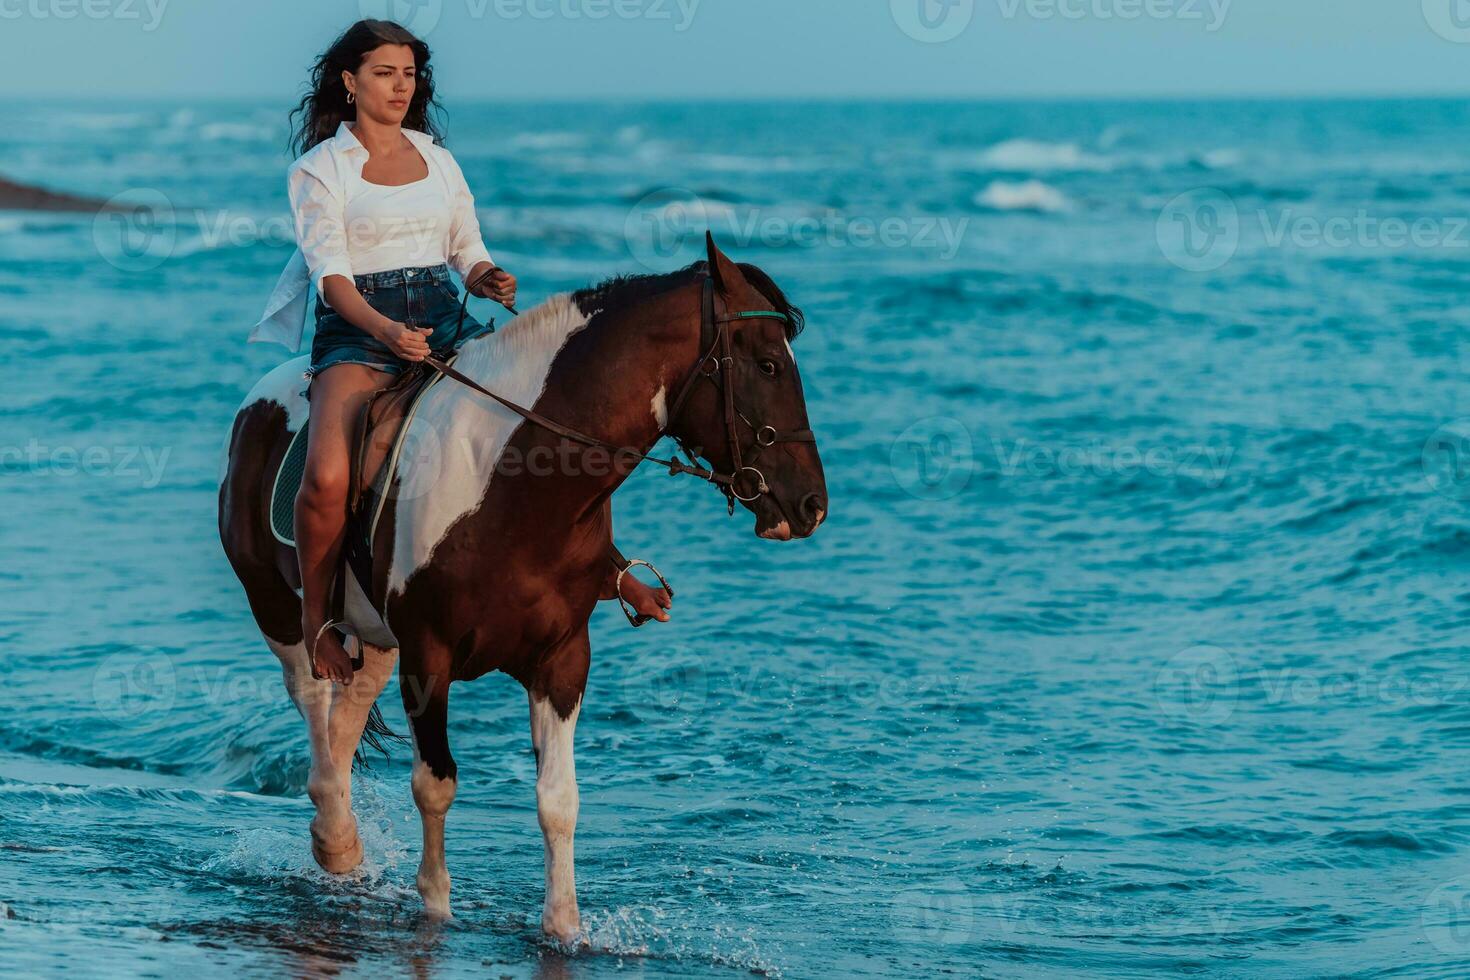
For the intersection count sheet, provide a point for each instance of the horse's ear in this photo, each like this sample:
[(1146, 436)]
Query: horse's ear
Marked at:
[(726, 274)]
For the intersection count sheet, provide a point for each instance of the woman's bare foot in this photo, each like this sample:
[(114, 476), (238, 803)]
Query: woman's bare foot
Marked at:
[(329, 659), (645, 600)]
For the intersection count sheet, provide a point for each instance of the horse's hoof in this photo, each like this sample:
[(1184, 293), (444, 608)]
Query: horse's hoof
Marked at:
[(434, 890), (565, 930), (338, 862)]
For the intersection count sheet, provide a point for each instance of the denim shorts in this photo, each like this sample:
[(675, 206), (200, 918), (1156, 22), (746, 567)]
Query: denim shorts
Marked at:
[(420, 297)]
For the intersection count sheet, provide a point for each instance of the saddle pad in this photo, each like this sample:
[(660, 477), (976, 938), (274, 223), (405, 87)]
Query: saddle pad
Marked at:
[(283, 494), (293, 465)]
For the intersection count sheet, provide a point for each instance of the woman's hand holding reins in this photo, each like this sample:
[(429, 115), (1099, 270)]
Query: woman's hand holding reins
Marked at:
[(499, 285), (409, 343)]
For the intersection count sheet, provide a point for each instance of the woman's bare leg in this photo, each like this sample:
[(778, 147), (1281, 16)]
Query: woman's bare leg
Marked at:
[(337, 397)]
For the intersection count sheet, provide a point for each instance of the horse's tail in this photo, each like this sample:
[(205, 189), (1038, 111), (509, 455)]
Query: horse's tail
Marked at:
[(375, 734)]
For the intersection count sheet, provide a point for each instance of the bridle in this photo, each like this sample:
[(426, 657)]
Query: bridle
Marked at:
[(716, 364)]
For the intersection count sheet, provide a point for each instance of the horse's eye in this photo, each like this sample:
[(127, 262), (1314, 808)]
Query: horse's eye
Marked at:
[(768, 368)]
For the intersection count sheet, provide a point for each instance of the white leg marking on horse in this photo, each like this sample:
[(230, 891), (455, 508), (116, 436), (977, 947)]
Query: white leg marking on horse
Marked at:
[(433, 796), (661, 408), (471, 431), (334, 840), (556, 809)]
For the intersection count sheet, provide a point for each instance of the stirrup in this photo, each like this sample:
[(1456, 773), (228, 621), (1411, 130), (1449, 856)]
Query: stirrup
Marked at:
[(345, 628), (641, 618)]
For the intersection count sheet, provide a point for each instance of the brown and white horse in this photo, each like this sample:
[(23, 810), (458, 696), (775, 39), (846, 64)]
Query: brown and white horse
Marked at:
[(489, 561)]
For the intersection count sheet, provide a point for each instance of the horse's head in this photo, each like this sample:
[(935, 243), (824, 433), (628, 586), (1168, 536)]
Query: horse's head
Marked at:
[(752, 422)]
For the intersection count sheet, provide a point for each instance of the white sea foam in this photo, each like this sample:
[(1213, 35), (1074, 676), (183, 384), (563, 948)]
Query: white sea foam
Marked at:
[(1034, 155), (556, 140), (1220, 159), (1030, 195), (234, 132)]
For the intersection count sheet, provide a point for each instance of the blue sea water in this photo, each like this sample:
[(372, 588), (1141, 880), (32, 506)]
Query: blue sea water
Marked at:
[(1131, 645)]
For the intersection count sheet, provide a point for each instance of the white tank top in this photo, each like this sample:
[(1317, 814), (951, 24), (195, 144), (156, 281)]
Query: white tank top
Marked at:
[(396, 227)]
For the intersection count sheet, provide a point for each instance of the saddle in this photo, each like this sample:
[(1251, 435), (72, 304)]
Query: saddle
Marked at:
[(378, 437)]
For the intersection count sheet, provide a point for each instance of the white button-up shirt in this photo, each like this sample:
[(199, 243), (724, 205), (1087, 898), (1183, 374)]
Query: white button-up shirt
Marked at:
[(346, 226)]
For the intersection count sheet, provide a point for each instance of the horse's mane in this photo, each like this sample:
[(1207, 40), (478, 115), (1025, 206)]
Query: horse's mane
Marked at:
[(620, 292)]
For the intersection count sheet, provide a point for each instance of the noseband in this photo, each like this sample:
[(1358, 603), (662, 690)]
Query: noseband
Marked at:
[(716, 364)]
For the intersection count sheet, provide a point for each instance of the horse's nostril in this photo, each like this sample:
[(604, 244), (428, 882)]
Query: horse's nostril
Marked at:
[(813, 506)]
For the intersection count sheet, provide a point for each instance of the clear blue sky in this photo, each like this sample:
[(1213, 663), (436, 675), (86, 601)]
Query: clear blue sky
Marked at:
[(529, 49)]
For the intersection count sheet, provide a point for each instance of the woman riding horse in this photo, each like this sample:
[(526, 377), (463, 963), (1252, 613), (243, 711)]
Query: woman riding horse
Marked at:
[(382, 213)]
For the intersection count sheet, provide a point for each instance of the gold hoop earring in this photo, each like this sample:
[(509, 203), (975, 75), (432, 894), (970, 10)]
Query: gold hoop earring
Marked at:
[(351, 98)]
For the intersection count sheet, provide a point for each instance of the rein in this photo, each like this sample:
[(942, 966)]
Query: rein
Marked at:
[(715, 364)]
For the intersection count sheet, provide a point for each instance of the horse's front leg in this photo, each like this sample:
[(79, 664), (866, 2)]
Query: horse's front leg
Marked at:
[(425, 690), (335, 716), (556, 702)]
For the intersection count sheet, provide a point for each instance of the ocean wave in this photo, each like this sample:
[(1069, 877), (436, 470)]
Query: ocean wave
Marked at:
[(1025, 155), (1030, 195), (554, 140), (234, 132), (101, 121)]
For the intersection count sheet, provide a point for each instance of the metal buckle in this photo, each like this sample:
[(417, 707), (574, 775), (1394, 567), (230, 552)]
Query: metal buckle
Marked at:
[(760, 436)]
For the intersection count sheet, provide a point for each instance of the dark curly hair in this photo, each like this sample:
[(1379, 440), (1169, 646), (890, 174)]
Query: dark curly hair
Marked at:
[(325, 106)]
